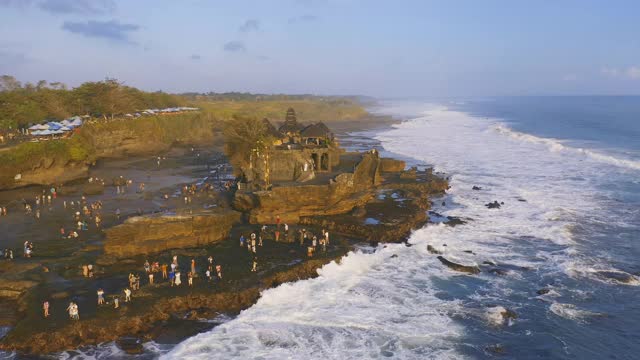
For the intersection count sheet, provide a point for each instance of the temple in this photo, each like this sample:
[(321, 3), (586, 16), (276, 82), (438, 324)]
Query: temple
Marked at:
[(298, 154)]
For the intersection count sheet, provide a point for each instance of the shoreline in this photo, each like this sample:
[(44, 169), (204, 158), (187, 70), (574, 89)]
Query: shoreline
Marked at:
[(165, 309)]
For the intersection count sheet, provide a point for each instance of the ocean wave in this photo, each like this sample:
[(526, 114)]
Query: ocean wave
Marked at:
[(557, 145), (572, 312), (366, 306)]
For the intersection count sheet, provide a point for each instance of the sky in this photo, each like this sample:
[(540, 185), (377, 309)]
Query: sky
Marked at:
[(393, 48)]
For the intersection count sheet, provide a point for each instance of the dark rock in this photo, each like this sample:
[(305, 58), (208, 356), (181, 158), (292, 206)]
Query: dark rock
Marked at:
[(459, 267), (617, 276), (493, 205), (476, 188), (130, 345), (469, 252), (433, 250), (487, 262), (359, 212), (444, 204), (543, 291), (393, 256), (496, 349), (522, 200), (498, 271), (508, 314), (453, 221)]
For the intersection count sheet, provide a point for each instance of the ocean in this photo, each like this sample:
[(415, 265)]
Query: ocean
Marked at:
[(566, 241)]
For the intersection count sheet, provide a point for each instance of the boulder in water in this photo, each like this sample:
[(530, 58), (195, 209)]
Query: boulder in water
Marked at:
[(477, 188), (543, 291), (498, 271), (493, 205), (130, 345), (617, 276), (459, 267), (433, 250), (496, 349)]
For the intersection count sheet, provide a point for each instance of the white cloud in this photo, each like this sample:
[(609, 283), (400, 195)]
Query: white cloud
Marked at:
[(632, 72), (612, 72)]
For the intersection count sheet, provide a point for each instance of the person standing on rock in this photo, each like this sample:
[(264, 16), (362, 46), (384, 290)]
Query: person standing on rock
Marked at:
[(100, 293), (127, 295), (190, 278), (172, 277), (286, 232), (177, 280), (242, 240), (150, 278), (193, 266), (45, 308), (219, 271), (116, 302), (73, 311), (164, 271), (255, 264)]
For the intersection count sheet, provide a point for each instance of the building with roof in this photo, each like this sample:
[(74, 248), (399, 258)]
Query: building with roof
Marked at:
[(298, 153)]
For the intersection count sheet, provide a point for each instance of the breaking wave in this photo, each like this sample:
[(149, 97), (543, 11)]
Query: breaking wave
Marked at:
[(559, 145)]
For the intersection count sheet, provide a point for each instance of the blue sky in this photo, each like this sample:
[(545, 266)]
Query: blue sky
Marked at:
[(370, 47)]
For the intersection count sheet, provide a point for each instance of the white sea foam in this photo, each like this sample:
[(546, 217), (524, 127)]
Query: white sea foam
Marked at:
[(559, 145), (572, 312), (369, 305)]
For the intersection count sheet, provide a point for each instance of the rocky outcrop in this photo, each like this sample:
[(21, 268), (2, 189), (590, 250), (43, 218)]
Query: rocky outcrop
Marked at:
[(47, 171), (458, 267), (339, 196), (391, 165), (141, 325), (156, 233)]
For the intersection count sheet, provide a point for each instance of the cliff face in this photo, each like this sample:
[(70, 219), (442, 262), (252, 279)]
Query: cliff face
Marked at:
[(341, 195), (58, 161), (152, 234)]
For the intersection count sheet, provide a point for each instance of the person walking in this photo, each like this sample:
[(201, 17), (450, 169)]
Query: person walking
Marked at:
[(45, 308), (127, 295)]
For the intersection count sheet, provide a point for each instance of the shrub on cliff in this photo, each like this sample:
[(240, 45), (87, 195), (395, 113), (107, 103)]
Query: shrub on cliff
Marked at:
[(242, 136)]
